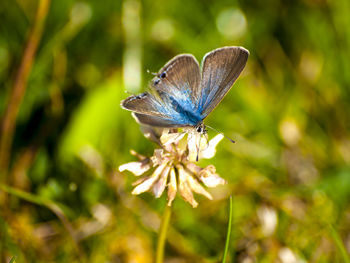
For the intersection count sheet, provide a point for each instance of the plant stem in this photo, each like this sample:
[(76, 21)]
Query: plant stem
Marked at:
[(228, 235), (162, 234), (339, 244), (19, 87)]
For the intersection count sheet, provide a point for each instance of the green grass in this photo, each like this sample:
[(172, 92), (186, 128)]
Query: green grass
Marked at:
[(62, 198)]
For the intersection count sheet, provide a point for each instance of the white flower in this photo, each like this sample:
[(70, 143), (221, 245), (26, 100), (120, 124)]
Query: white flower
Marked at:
[(174, 168)]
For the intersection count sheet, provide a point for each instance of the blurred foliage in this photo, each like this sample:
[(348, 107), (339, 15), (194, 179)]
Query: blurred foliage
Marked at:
[(289, 113)]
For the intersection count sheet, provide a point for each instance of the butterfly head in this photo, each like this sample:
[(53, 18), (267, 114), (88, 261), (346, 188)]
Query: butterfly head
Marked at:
[(200, 128)]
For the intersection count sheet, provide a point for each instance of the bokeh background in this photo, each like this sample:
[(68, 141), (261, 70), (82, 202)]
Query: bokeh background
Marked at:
[(62, 197)]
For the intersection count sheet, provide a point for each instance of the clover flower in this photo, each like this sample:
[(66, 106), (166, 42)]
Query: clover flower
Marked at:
[(173, 165)]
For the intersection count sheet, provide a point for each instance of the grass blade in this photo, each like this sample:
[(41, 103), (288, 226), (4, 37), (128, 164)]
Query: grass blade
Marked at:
[(339, 244), (228, 235)]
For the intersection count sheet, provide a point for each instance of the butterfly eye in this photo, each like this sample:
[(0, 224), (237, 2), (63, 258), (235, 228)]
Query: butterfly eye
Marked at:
[(199, 129), (163, 75), (156, 81)]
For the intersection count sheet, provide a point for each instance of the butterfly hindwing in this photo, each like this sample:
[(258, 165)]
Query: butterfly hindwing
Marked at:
[(221, 67), (144, 103), (157, 121), (173, 91)]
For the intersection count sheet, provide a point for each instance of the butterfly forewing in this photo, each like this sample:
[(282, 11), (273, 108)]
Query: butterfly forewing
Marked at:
[(179, 78), (170, 102), (220, 70)]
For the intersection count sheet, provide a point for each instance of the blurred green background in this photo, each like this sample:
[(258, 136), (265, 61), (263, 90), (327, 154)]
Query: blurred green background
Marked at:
[(288, 173)]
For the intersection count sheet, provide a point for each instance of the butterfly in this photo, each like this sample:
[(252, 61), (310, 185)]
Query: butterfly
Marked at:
[(183, 95)]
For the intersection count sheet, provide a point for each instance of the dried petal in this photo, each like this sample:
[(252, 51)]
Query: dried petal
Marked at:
[(184, 187), (136, 154), (157, 157), (195, 169), (209, 177), (172, 187), (197, 188), (212, 180), (210, 151), (139, 181), (147, 184), (137, 168), (159, 187)]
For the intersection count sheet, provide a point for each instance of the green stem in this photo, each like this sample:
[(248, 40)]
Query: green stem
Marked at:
[(8, 124), (339, 244), (162, 234), (228, 235)]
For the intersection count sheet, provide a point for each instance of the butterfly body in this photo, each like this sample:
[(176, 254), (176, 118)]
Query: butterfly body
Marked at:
[(180, 96)]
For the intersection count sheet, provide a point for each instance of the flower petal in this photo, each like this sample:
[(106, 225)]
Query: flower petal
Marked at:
[(184, 188), (203, 142), (172, 187), (168, 138), (195, 169), (209, 177), (147, 184), (181, 146), (137, 168), (192, 142), (139, 181), (210, 151), (138, 155), (197, 188), (157, 157), (159, 186)]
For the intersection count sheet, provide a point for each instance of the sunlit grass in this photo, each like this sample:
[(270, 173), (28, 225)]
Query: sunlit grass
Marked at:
[(63, 198)]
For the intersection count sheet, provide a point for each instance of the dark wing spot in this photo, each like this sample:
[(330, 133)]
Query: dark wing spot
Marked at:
[(161, 76)]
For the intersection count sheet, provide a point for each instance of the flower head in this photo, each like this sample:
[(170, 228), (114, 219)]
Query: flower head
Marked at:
[(173, 165)]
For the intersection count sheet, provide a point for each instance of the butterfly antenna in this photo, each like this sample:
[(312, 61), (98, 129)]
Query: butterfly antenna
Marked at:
[(221, 134), (129, 92)]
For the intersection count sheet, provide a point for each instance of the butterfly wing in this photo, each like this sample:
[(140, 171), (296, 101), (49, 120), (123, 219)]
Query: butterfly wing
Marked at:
[(157, 121), (148, 109), (144, 103), (170, 102), (179, 98), (221, 68), (180, 78)]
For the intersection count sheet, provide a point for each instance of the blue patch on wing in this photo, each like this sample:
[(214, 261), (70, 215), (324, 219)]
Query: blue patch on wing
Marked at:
[(180, 109)]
